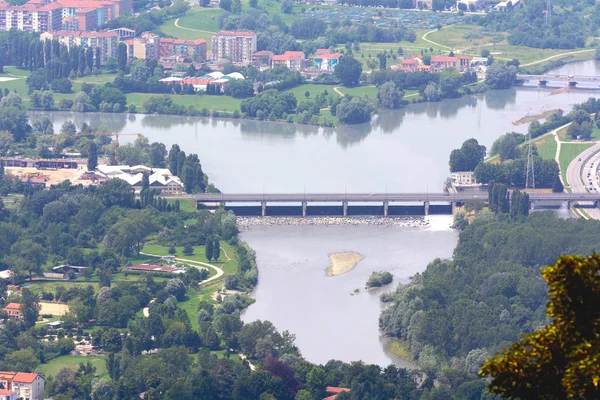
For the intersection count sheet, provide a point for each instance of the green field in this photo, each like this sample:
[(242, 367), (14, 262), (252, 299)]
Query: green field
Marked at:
[(567, 153), (51, 368), (546, 147), (228, 267)]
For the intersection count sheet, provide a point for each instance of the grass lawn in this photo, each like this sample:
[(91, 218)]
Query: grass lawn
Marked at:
[(223, 354), (360, 91), (567, 153), (55, 365), (185, 205), (50, 286), (546, 147), (229, 267), (222, 103)]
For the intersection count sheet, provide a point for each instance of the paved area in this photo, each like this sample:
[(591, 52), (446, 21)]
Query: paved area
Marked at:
[(582, 176)]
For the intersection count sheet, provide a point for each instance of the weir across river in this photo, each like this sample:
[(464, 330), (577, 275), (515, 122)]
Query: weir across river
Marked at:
[(347, 204)]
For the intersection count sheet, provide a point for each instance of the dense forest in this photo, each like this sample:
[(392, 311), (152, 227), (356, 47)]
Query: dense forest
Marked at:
[(459, 312)]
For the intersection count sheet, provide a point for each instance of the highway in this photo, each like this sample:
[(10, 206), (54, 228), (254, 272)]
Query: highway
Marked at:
[(577, 176)]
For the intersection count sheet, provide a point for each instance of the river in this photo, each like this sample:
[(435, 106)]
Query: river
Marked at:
[(398, 151)]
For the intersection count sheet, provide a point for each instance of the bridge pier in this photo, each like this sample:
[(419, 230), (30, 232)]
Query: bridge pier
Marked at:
[(304, 205), (541, 82), (596, 204), (385, 208), (532, 205), (345, 207), (426, 207), (263, 205), (454, 207), (572, 84), (569, 204)]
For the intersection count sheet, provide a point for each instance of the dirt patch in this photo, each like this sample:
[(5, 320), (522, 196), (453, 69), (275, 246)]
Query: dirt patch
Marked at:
[(56, 309), (52, 177), (527, 119), (224, 293), (343, 262)]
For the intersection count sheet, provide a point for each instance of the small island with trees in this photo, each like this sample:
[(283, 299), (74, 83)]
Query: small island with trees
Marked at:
[(378, 279)]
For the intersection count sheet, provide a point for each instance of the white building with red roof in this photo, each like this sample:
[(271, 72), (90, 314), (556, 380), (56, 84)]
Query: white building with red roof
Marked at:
[(13, 310), (294, 60), (26, 386)]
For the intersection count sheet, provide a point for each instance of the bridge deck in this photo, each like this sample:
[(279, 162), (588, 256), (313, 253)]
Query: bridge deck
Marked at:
[(375, 197)]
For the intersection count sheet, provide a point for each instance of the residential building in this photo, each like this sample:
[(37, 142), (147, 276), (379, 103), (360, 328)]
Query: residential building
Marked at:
[(67, 269), (124, 33), (326, 61), (440, 63), (237, 47), (31, 17), (13, 310), (25, 385), (409, 65), (142, 47), (463, 178), (214, 78), (262, 59), (8, 395), (161, 179), (294, 60), (106, 41), (193, 49), (322, 52)]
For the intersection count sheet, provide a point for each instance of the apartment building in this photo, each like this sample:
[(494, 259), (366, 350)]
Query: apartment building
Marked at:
[(31, 17), (237, 47), (294, 60), (193, 49), (326, 60), (26, 386), (44, 16), (142, 47), (107, 41), (440, 63)]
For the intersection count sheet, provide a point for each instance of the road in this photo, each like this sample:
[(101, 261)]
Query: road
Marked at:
[(577, 174)]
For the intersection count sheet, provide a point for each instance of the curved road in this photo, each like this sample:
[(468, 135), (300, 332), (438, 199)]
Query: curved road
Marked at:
[(578, 180)]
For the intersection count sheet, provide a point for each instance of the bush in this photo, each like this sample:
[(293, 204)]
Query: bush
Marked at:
[(378, 279), (188, 250)]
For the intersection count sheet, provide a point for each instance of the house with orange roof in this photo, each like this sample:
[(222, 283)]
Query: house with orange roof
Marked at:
[(294, 60), (13, 310), (334, 392), (440, 63), (410, 65), (8, 395), (194, 49), (26, 386), (326, 62)]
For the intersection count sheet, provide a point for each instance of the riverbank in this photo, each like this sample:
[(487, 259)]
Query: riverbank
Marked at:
[(245, 223), (343, 262)]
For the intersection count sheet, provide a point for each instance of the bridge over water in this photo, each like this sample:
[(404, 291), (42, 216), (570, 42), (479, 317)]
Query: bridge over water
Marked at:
[(370, 203), (571, 80)]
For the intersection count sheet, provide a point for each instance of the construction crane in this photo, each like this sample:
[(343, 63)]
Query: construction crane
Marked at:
[(116, 142)]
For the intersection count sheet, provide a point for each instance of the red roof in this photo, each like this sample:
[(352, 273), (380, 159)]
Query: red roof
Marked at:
[(444, 59), (13, 306), (410, 61), (4, 392), (24, 377), (50, 7), (321, 52), (263, 53), (336, 390), (289, 55), (331, 56)]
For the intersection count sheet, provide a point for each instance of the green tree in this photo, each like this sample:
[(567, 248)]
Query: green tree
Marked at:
[(467, 157), (188, 250), (348, 71), (122, 57), (500, 76), (30, 307), (92, 161), (208, 248), (561, 360), (216, 252), (236, 7), (24, 360), (390, 96)]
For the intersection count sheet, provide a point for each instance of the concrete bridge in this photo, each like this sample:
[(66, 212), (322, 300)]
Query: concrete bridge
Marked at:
[(379, 203), (571, 80)]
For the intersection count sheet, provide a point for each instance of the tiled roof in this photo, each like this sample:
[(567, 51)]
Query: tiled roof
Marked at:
[(13, 306), (331, 56), (410, 61), (24, 377), (4, 392), (444, 59), (321, 52), (336, 390)]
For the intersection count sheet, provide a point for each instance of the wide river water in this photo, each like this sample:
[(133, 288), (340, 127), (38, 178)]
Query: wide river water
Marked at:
[(398, 151)]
